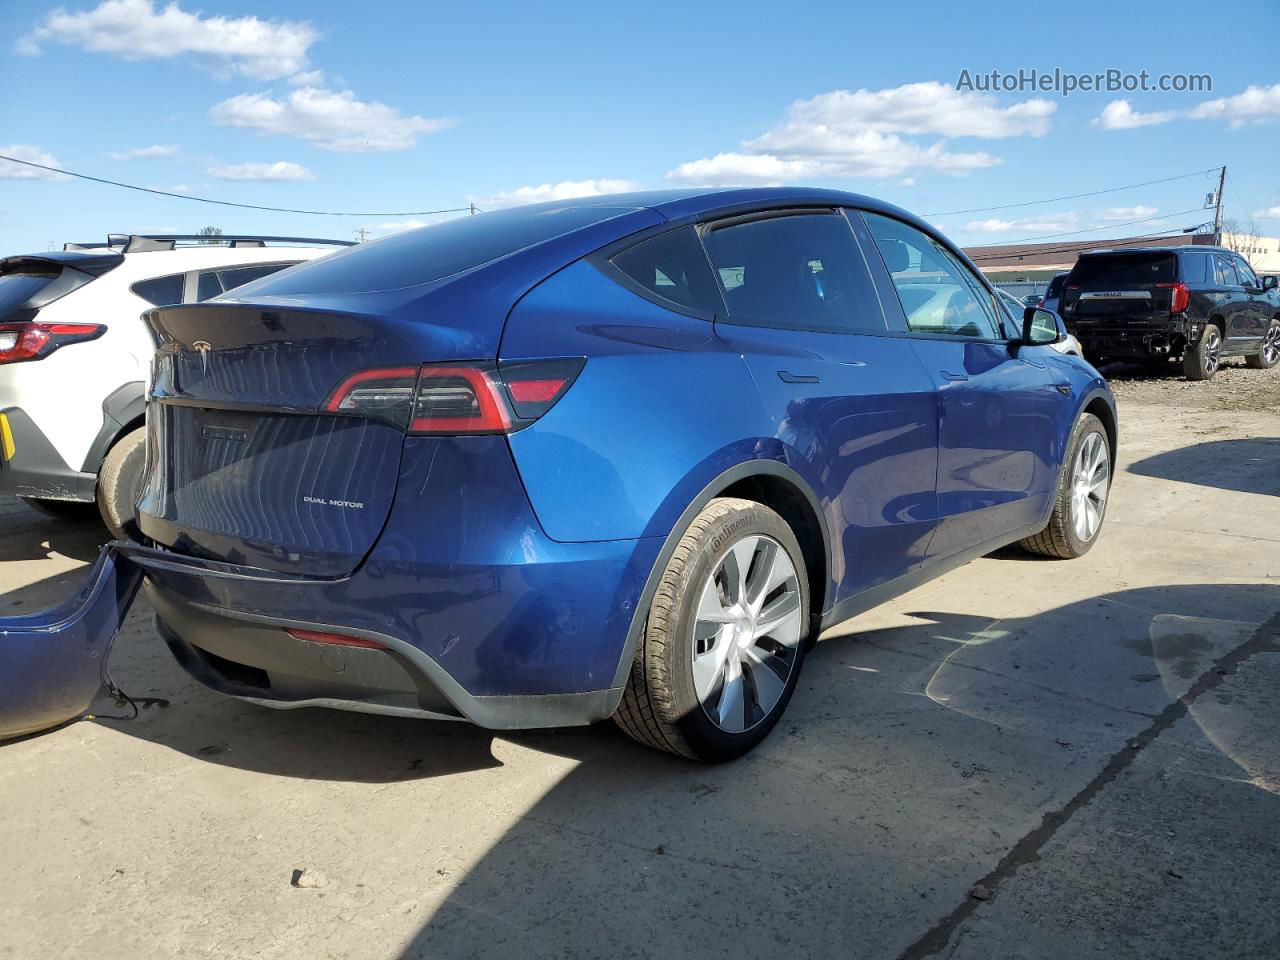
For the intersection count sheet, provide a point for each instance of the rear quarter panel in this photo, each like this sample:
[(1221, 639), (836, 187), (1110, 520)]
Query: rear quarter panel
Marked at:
[(661, 408)]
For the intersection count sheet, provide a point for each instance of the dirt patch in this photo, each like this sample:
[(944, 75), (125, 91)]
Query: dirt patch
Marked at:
[(1235, 386)]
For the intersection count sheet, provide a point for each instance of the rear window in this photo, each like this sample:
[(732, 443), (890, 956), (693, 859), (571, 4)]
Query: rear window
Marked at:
[(432, 253), (26, 285), (1124, 271), (674, 267)]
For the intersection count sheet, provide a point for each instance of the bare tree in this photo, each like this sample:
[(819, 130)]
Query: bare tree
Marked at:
[(210, 232), (1241, 235)]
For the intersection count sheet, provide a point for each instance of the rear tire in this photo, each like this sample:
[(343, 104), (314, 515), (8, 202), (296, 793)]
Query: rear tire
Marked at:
[(1201, 360), (120, 482), (1077, 516), (712, 625), (77, 510), (1268, 354)]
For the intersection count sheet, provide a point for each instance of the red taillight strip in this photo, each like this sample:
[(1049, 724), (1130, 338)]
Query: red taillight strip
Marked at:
[(35, 341), (492, 416), (335, 639), (340, 392)]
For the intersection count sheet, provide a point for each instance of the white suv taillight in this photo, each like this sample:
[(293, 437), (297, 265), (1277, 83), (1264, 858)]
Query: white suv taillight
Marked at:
[(35, 341)]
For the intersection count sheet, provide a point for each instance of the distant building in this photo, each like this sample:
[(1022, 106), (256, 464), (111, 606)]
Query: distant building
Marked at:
[(1034, 264)]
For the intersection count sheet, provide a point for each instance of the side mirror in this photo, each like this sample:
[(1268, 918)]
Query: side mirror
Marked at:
[(1270, 282), (1041, 327)]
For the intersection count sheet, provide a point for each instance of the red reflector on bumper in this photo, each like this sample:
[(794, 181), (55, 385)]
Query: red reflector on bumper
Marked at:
[(335, 639)]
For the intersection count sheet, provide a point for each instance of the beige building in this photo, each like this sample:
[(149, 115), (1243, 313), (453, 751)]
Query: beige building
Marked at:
[(1034, 264)]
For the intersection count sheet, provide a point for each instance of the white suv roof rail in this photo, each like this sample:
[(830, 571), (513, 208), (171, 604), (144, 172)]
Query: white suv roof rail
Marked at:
[(137, 242)]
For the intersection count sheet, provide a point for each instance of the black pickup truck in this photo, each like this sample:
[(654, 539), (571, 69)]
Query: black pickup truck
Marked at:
[(1195, 303)]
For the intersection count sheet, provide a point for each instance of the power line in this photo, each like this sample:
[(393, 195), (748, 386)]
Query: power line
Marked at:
[(1073, 196), (1108, 226), (228, 203)]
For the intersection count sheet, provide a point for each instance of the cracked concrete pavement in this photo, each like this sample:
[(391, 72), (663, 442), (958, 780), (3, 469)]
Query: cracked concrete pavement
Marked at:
[(1096, 744)]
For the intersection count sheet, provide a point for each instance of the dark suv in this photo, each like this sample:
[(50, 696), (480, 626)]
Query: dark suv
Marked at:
[(1197, 303)]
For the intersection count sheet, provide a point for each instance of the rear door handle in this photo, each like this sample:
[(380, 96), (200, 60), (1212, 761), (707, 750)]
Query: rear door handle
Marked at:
[(948, 375), (786, 376)]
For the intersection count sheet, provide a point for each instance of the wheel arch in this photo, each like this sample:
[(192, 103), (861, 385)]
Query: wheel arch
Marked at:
[(777, 486), (122, 411), (1100, 404)]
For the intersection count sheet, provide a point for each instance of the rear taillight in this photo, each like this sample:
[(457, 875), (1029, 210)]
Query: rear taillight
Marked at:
[(1181, 296), (35, 341), (457, 398)]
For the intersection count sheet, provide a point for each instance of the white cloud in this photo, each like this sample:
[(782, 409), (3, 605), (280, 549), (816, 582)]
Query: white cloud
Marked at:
[(280, 170), (155, 150), (1271, 213), (309, 78), (564, 190), (870, 154), (332, 120), (1255, 105), (136, 30), (22, 151), (1048, 223), (862, 133), (175, 188), (1120, 115), (907, 182), (1137, 212)]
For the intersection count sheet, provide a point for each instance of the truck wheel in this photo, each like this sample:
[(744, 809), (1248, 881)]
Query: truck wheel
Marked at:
[(120, 482), (62, 509), (1083, 488), (1269, 354), (725, 636), (1201, 360)]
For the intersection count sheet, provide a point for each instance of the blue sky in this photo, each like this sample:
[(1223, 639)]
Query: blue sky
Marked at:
[(400, 106)]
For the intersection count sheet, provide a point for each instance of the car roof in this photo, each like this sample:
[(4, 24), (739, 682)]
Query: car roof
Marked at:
[(1183, 248), (699, 202)]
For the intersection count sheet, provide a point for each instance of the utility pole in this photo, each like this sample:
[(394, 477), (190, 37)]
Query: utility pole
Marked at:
[(1217, 207), (361, 235), (473, 209)]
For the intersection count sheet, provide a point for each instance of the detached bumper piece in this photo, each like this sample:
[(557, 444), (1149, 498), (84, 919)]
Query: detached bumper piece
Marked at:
[(52, 664)]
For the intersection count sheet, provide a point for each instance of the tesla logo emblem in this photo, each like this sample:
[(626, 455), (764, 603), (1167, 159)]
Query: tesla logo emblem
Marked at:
[(202, 347)]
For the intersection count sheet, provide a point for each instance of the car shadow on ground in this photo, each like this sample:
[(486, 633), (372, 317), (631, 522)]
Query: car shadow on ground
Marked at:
[(32, 535), (1245, 465)]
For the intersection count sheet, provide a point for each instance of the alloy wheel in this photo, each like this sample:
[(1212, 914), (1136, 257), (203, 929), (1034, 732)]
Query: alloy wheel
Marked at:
[(1090, 482), (746, 633), (1271, 347), (1212, 347)]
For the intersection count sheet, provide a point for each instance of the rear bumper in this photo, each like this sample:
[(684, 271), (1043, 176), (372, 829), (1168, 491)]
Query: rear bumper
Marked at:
[(482, 616), (31, 467)]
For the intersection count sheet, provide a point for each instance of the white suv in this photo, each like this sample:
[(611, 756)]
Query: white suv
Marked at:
[(74, 356)]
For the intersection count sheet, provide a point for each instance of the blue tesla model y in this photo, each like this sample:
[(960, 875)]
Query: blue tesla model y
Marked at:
[(615, 457)]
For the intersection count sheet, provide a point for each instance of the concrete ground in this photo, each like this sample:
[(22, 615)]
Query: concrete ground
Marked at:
[(1025, 758)]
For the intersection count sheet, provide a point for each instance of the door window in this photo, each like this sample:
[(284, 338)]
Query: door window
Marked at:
[(1224, 274), (939, 294), (1245, 273), (797, 272), (242, 275), (207, 286)]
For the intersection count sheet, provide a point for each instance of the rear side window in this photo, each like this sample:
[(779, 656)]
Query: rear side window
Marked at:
[(435, 252), (208, 285), (1193, 267), (242, 275), (796, 272), (674, 267), (1124, 271), (161, 291)]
